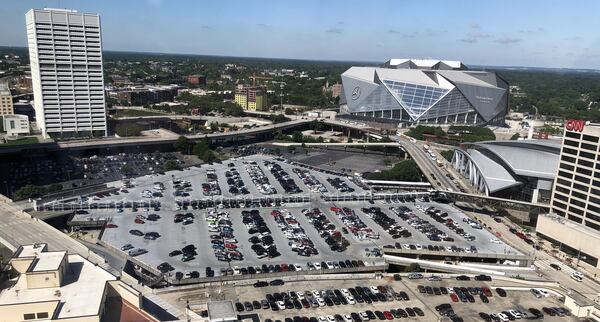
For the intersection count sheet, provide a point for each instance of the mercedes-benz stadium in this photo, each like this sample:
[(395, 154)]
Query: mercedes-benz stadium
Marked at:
[(409, 91)]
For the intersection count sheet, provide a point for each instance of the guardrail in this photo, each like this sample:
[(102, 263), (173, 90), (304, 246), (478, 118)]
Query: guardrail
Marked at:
[(262, 276)]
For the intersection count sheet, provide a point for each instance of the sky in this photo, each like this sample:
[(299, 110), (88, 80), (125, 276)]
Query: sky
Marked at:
[(532, 33)]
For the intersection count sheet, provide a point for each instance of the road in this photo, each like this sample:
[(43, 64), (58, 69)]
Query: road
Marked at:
[(427, 166), (543, 260)]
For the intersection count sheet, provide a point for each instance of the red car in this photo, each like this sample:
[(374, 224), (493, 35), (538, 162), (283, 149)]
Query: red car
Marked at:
[(139, 221), (231, 246), (111, 226), (388, 315), (454, 297), (486, 291)]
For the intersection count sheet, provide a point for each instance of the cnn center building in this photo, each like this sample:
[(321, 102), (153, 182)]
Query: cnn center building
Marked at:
[(409, 91)]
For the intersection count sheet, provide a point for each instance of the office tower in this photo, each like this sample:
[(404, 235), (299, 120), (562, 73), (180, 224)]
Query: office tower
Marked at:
[(65, 52), (6, 103), (575, 221)]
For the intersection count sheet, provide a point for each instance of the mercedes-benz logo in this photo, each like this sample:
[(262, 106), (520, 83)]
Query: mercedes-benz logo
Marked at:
[(356, 93)]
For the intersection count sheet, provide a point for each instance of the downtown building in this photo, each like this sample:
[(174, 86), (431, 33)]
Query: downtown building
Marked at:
[(65, 52), (438, 92), (574, 221)]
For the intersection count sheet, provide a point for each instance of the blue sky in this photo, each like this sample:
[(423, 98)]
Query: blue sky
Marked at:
[(544, 33)]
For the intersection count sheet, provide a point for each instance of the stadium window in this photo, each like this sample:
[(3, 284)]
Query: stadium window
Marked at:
[(29, 316), (42, 315)]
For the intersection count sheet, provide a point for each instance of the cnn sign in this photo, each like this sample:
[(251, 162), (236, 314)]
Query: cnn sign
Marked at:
[(575, 125)]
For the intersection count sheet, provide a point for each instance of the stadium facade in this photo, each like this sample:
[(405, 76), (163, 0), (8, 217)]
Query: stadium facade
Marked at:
[(409, 91), (521, 170)]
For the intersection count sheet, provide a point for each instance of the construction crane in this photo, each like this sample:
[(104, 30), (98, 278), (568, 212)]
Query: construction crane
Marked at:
[(254, 78)]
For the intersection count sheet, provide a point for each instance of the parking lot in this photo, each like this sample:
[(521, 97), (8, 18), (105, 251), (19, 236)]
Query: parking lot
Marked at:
[(243, 239), (360, 300)]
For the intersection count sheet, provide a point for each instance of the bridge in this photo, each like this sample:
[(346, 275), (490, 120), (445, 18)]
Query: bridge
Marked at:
[(230, 137), (495, 202)]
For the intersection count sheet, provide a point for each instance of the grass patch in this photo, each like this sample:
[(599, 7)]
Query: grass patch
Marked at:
[(22, 141), (135, 113)]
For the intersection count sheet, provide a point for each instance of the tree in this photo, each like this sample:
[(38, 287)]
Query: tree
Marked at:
[(406, 170), (515, 136), (183, 145), (289, 111), (279, 118), (447, 154), (214, 126), (413, 267), (29, 191), (126, 169), (350, 140), (171, 165), (297, 136)]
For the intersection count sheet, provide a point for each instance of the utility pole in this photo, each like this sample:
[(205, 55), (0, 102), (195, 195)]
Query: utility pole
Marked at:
[(281, 85)]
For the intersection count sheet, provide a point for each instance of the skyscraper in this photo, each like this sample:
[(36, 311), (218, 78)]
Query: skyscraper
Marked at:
[(65, 52), (575, 223), (6, 103)]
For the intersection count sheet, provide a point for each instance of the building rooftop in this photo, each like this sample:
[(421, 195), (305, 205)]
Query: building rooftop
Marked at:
[(81, 294), (221, 311), (47, 261), (31, 250), (496, 176), (4, 91)]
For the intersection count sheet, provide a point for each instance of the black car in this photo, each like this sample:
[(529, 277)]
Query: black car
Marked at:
[(463, 278), (501, 292), (261, 284), (175, 253), (239, 307), (555, 266), (483, 277), (486, 317), (380, 315), (136, 232), (276, 282), (419, 311), (537, 313), (484, 298)]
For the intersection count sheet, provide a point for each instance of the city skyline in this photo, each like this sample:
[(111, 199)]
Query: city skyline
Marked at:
[(500, 34)]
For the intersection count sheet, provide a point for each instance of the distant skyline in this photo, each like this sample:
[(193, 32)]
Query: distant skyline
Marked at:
[(558, 34)]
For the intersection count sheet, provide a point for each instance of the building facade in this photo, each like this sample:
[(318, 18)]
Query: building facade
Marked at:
[(65, 52), (6, 102), (16, 124), (424, 91), (196, 79), (146, 95), (252, 98), (575, 220)]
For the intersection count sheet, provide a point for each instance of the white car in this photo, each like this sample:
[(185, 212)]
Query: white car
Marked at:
[(374, 289), (322, 319), (317, 265), (347, 318), (316, 293), (515, 313), (350, 300), (297, 267), (321, 301), (363, 315), (577, 277), (281, 305), (330, 318), (503, 317), (495, 241)]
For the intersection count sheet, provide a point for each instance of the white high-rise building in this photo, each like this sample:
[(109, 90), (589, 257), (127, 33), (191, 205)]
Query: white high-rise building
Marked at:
[(65, 52)]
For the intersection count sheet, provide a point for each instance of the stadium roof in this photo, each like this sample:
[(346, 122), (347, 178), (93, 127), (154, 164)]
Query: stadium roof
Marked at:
[(530, 158), (424, 63), (496, 176)]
